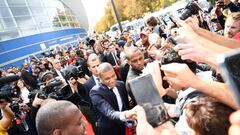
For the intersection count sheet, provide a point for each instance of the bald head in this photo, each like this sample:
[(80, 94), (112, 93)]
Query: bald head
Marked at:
[(55, 115)]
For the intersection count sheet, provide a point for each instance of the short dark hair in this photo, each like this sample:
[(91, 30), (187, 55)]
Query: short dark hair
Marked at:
[(207, 116), (152, 21), (131, 50), (53, 116)]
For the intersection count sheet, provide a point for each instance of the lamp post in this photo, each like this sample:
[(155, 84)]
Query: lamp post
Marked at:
[(117, 16)]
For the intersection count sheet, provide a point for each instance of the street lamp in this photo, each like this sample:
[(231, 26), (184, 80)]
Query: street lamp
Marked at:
[(117, 16)]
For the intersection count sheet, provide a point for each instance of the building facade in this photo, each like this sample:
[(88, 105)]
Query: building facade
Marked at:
[(34, 26)]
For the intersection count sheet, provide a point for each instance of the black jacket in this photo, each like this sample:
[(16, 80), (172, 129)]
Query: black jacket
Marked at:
[(106, 108)]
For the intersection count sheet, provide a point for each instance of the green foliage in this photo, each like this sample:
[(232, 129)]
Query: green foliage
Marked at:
[(129, 10)]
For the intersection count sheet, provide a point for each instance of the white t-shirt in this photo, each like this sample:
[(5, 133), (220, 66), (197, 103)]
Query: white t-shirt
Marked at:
[(24, 95)]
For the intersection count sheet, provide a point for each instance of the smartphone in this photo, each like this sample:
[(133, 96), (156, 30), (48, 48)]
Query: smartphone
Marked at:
[(230, 67), (146, 94)]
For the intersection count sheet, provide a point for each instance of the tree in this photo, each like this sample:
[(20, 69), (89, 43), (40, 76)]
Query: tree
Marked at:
[(129, 10)]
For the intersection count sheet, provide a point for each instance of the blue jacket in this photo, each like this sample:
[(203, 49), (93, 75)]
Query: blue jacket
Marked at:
[(106, 108)]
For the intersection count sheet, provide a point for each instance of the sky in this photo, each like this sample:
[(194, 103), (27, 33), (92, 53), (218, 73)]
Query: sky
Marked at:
[(95, 10)]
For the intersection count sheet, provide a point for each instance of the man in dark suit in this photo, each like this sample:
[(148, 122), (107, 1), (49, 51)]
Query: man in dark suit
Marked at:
[(93, 63), (113, 55), (135, 59), (110, 102)]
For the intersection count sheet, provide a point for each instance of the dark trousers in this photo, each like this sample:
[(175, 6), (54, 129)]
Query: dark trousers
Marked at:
[(110, 131), (90, 116)]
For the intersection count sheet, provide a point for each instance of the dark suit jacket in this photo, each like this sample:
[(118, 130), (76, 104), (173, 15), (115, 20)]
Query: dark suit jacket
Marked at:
[(88, 85), (110, 58), (132, 73), (102, 57), (106, 108), (124, 68)]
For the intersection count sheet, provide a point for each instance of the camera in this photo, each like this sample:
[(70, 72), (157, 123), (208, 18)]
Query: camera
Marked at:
[(52, 88), (8, 90), (192, 8), (90, 42), (73, 71)]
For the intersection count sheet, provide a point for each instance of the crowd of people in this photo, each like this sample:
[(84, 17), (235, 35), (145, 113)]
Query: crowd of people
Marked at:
[(92, 79)]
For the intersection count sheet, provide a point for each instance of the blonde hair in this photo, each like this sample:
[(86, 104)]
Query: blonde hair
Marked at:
[(234, 16)]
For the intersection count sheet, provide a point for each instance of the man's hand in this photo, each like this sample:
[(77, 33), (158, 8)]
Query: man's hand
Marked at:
[(196, 53), (217, 10), (154, 70), (144, 128), (186, 30), (235, 123), (37, 101), (7, 114), (193, 22), (73, 84), (179, 74)]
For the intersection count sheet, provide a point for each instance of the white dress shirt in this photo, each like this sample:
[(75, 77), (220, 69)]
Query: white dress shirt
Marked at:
[(95, 79), (119, 100)]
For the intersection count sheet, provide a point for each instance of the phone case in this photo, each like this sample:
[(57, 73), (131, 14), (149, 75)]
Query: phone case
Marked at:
[(146, 94)]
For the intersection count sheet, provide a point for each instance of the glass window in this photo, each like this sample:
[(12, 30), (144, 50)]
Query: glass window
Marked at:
[(16, 3), (62, 18), (4, 12), (42, 20), (65, 24), (9, 34), (70, 18), (37, 10), (72, 24), (7, 23), (68, 11), (57, 25), (77, 24), (53, 3), (1, 26), (2, 3), (30, 30), (20, 11), (24, 21), (45, 28), (51, 12), (34, 3), (55, 20)]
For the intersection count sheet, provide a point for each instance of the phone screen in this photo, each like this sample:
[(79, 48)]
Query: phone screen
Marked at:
[(146, 94)]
